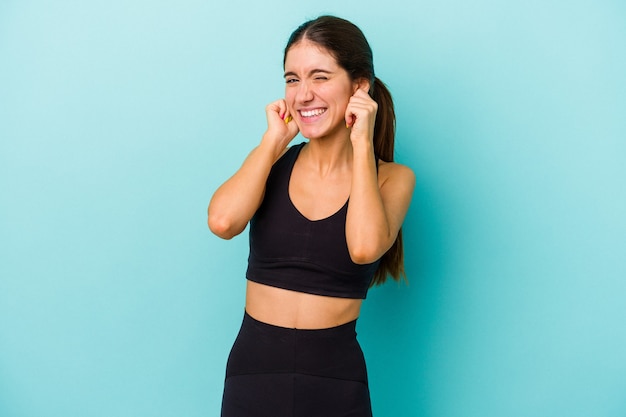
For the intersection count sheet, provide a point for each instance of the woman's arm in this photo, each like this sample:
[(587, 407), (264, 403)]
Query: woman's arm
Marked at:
[(234, 203), (379, 200)]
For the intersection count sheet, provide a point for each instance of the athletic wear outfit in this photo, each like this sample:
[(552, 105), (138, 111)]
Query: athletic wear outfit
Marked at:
[(274, 371)]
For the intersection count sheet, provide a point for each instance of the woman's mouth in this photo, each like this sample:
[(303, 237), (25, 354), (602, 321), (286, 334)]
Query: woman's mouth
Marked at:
[(312, 113)]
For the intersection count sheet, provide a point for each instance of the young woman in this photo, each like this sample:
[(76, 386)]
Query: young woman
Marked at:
[(325, 218)]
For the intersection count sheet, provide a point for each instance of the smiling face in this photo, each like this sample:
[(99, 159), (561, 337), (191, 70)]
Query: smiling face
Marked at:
[(317, 91)]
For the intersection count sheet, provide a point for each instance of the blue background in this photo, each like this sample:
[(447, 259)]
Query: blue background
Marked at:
[(119, 118)]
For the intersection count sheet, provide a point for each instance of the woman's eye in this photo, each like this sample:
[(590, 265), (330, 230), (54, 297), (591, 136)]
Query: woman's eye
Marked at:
[(291, 80), (321, 78)]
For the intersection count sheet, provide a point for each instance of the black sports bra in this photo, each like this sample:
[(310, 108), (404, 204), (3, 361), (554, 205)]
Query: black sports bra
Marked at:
[(289, 251)]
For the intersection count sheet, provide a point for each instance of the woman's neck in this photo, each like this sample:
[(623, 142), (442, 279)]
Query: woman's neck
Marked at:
[(327, 156)]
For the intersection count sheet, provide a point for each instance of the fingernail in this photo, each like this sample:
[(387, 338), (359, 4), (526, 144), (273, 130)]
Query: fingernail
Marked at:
[(288, 119)]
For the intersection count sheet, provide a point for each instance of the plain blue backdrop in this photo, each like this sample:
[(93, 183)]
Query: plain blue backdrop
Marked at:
[(119, 118)]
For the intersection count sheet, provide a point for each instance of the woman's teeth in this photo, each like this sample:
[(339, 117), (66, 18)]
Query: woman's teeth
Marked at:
[(311, 113)]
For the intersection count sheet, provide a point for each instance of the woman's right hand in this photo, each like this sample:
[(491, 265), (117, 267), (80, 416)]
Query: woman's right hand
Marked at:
[(281, 129), (234, 203)]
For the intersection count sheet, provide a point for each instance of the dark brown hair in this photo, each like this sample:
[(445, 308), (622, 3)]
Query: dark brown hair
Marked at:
[(346, 42)]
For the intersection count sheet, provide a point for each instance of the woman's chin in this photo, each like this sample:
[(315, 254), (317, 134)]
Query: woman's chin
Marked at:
[(310, 134), (315, 134)]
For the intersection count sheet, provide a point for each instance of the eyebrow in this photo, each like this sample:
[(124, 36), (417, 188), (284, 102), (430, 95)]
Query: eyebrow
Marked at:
[(313, 71)]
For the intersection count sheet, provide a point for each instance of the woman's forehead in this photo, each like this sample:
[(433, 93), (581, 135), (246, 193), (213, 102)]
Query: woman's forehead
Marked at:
[(306, 53)]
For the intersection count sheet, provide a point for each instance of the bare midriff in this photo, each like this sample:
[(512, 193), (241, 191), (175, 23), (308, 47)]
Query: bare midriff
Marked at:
[(297, 310)]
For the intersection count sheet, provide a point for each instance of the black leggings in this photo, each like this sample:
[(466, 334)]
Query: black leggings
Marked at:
[(280, 372)]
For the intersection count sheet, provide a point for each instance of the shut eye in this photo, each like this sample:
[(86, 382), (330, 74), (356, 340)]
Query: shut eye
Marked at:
[(296, 80)]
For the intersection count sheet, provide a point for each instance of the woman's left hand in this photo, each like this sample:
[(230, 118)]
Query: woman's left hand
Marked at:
[(361, 116)]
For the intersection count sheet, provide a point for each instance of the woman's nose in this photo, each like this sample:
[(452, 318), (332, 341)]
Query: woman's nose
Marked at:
[(305, 92)]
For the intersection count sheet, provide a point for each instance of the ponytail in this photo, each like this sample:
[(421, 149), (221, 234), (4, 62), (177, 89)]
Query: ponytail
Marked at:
[(385, 127), (392, 262)]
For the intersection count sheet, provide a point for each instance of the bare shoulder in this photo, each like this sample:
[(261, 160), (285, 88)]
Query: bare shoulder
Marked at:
[(395, 175), (396, 183)]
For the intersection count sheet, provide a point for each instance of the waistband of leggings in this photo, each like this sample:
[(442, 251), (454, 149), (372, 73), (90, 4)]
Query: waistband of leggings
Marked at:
[(348, 328)]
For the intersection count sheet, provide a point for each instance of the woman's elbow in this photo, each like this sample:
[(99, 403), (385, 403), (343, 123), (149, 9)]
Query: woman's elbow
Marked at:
[(367, 251), (364, 255), (222, 227)]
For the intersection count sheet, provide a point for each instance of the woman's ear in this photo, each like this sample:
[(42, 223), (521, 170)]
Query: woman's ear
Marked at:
[(362, 84)]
